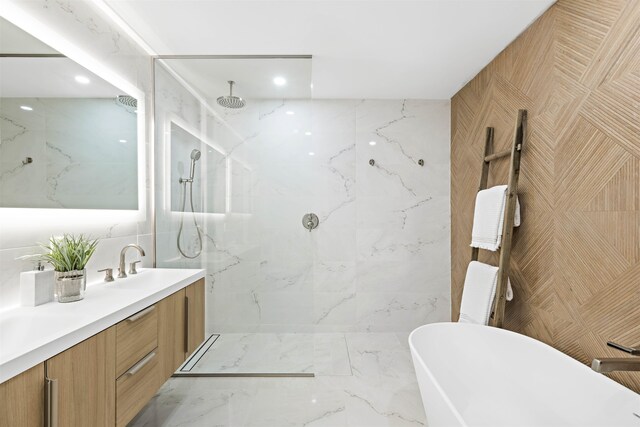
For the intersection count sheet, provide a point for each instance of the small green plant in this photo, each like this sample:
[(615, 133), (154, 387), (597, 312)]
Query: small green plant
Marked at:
[(68, 253)]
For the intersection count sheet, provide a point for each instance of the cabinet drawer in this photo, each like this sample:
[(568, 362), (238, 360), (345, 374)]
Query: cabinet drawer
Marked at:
[(136, 337), (136, 387)]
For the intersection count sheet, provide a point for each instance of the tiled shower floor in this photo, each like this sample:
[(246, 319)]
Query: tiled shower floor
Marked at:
[(322, 354), (379, 388)]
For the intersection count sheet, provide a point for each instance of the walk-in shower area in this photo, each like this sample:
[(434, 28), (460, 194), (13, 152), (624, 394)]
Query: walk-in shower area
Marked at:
[(315, 219)]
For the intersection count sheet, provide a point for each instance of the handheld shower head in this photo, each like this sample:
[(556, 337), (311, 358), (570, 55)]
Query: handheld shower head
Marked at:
[(187, 189), (195, 156)]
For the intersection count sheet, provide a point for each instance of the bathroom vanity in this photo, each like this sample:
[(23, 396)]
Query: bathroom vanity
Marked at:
[(97, 362)]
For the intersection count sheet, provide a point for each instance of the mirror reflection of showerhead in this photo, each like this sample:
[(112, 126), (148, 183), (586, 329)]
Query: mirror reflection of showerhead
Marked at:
[(127, 101), (195, 156)]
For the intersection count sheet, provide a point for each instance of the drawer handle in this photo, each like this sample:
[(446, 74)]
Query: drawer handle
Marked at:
[(51, 391), (186, 324), (134, 370), (141, 314)]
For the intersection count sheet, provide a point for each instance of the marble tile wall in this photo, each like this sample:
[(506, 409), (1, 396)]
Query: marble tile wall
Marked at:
[(83, 25), (378, 260)]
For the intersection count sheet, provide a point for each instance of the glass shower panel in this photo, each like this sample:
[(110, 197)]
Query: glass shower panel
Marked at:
[(257, 178), (177, 135)]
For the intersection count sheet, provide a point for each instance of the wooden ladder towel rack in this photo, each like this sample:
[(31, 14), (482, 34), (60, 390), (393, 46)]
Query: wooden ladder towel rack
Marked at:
[(509, 213)]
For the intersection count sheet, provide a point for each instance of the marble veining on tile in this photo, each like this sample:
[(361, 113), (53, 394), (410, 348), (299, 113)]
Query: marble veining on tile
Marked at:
[(322, 354), (381, 390), (375, 263)]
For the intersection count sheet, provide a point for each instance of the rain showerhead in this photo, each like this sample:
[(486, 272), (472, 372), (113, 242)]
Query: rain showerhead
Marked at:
[(195, 155), (231, 101)]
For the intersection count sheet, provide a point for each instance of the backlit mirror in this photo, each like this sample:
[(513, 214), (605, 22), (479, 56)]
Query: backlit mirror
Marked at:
[(68, 138)]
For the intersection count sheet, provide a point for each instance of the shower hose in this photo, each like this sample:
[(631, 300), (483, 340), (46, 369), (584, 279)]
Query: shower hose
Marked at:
[(193, 215)]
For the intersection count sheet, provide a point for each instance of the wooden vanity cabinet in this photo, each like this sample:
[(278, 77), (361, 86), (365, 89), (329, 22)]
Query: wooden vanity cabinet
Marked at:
[(180, 327), (22, 399), (137, 366), (86, 383), (195, 316), (136, 337), (172, 334), (106, 379)]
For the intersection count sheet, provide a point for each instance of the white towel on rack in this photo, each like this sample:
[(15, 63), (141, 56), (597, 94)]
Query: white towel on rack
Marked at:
[(479, 292), (488, 218)]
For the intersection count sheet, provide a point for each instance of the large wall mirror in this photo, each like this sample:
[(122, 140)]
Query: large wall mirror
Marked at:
[(69, 139)]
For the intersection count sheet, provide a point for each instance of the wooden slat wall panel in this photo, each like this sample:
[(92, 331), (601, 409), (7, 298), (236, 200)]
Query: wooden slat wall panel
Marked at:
[(576, 257)]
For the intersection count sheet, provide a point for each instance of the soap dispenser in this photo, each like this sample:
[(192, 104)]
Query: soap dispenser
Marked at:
[(36, 286)]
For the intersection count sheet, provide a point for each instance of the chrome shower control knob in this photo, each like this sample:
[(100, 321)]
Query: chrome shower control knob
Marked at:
[(310, 221)]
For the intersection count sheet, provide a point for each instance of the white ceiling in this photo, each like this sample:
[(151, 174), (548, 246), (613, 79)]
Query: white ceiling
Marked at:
[(361, 49), (253, 77)]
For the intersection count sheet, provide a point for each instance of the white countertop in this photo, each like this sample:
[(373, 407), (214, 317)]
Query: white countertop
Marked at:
[(31, 335)]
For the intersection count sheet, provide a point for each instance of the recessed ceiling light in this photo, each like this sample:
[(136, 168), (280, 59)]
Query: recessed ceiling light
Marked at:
[(372, 143), (279, 81), (308, 133), (26, 108), (83, 80), (123, 140), (311, 153), (290, 113)]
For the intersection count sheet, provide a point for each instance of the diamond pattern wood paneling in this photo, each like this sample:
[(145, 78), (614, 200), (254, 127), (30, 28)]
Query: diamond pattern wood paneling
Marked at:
[(576, 257)]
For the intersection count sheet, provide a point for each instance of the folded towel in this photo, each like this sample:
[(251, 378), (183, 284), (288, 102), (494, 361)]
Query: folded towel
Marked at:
[(488, 218), (479, 292)]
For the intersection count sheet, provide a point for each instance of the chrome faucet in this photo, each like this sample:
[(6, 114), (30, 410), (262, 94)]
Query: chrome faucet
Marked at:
[(122, 273), (610, 364)]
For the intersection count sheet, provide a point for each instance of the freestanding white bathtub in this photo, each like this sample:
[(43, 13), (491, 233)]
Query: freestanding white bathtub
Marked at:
[(472, 375)]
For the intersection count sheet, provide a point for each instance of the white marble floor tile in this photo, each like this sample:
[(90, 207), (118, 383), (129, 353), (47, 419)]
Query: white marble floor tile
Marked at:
[(305, 406), (197, 402), (330, 355), (319, 353), (379, 389)]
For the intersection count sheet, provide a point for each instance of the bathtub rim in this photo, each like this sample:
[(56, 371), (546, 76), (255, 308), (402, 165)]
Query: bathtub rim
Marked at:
[(416, 355)]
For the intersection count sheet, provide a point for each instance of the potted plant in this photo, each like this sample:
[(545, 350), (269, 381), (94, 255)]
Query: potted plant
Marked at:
[(69, 256)]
